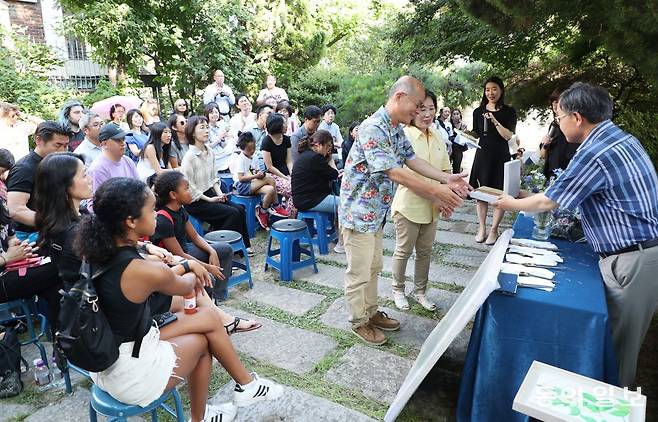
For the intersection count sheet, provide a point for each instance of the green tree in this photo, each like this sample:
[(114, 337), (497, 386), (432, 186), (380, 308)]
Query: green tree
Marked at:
[(182, 41), (24, 76)]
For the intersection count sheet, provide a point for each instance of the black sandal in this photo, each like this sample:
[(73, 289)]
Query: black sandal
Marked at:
[(232, 328)]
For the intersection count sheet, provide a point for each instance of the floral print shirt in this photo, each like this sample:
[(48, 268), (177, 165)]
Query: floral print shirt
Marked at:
[(366, 191)]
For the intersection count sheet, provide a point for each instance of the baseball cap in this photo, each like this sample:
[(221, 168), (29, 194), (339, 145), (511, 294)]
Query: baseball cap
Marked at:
[(111, 131)]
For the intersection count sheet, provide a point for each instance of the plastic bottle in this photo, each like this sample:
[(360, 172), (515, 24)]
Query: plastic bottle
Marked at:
[(190, 303), (41, 373), (56, 374)]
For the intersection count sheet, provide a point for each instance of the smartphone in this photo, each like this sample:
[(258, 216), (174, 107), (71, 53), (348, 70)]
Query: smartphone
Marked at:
[(164, 319)]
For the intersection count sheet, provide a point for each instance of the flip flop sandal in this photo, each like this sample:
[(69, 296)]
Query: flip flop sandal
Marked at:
[(232, 328)]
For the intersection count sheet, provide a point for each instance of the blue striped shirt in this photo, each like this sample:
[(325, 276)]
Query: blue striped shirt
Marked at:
[(613, 181)]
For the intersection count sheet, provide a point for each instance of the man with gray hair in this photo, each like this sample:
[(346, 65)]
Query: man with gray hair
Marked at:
[(613, 182), (373, 165), (90, 148)]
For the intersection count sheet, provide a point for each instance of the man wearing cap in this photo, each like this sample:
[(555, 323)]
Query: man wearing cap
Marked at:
[(112, 162), (612, 181), (49, 137)]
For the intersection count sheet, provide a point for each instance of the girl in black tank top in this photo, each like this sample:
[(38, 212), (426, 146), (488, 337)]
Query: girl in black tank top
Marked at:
[(124, 213)]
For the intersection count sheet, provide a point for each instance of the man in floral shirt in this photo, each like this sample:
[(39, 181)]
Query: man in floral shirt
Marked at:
[(373, 165)]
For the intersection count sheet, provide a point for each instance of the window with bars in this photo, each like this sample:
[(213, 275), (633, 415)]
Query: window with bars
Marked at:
[(76, 48)]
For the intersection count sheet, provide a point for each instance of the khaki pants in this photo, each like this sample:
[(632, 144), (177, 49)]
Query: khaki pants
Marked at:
[(410, 235), (631, 288), (364, 262)]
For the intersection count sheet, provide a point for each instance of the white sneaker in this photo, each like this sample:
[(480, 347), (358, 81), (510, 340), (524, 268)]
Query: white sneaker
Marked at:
[(401, 301), (339, 249), (224, 412), (257, 390)]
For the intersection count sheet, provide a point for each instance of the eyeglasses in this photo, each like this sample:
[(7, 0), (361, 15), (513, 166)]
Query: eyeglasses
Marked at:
[(557, 118)]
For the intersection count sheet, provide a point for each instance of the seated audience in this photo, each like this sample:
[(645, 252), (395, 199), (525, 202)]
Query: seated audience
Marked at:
[(118, 116), (181, 108), (137, 135), (179, 145), (152, 157), (209, 204), (312, 117), (69, 117), (112, 162), (90, 148), (49, 137), (221, 141), (42, 280), (245, 120), (352, 134), (278, 158), (180, 350), (313, 174), (327, 123), (150, 111), (250, 180), (291, 122)]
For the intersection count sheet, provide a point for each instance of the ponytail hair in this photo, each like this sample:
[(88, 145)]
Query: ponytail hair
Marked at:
[(321, 137), (114, 201), (166, 183), (245, 139)]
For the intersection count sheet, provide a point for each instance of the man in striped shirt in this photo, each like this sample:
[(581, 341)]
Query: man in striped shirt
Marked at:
[(613, 182)]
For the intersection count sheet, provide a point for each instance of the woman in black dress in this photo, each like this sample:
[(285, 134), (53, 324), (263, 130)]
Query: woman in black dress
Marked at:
[(554, 148), (494, 123)]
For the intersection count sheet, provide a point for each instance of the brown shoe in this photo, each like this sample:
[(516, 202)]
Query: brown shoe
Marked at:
[(370, 334), (383, 322)]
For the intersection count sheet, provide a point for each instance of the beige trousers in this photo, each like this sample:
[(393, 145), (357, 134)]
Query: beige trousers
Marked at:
[(410, 236), (631, 288), (364, 262)]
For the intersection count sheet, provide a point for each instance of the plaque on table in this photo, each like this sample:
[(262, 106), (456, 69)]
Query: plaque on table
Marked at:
[(553, 394)]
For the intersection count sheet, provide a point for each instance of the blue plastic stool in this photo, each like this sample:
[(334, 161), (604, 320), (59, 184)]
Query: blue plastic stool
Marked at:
[(237, 244), (106, 405), (197, 224), (289, 233), (321, 229), (226, 182), (26, 310), (249, 203)]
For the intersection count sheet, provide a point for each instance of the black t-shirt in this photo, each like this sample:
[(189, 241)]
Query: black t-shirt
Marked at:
[(279, 152), (311, 180), (62, 254), (165, 229), (21, 179), (76, 139)]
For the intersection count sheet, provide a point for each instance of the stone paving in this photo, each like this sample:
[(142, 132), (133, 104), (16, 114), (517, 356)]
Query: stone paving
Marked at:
[(306, 344)]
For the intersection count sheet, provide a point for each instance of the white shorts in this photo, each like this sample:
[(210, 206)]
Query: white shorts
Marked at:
[(139, 381)]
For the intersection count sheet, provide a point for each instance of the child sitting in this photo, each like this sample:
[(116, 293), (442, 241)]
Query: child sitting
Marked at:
[(249, 180)]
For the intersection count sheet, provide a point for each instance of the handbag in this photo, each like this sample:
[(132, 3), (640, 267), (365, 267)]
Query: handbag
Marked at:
[(22, 265), (10, 364)]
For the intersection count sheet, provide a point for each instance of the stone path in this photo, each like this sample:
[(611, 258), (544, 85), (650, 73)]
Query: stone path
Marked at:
[(306, 344)]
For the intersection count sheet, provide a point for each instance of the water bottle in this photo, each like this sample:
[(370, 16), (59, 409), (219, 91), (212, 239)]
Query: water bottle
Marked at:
[(189, 306), (41, 373), (56, 374)]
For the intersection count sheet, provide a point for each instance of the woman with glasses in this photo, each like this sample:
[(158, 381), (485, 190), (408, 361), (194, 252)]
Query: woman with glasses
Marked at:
[(179, 145), (181, 108), (494, 124), (118, 116), (138, 134), (209, 204)]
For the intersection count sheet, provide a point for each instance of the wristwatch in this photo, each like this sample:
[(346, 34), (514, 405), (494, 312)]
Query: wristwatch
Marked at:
[(186, 265)]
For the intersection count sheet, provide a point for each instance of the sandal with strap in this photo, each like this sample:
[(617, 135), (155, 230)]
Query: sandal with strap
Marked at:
[(232, 328)]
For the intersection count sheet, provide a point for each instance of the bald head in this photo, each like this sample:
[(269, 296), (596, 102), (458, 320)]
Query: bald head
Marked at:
[(407, 85)]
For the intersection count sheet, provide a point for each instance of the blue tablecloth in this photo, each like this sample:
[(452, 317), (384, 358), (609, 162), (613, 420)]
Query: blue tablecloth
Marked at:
[(567, 328)]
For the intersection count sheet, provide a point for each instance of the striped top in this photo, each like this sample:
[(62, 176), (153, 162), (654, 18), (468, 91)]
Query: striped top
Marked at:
[(613, 181)]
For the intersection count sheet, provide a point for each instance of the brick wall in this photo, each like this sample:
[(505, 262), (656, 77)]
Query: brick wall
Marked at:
[(27, 14)]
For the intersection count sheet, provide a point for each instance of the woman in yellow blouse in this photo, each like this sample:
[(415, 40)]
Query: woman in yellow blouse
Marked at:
[(415, 218)]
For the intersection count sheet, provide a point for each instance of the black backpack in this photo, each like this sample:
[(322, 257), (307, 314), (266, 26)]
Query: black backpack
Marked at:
[(85, 335)]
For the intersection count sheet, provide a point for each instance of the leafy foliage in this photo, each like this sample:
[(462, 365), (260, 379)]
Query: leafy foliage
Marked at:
[(23, 76)]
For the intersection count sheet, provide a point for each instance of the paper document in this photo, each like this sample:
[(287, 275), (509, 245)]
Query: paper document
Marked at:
[(527, 281), (534, 244), (525, 260), (519, 269), (466, 140), (525, 251), (511, 184)]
